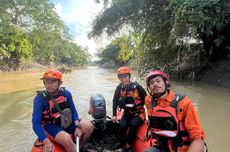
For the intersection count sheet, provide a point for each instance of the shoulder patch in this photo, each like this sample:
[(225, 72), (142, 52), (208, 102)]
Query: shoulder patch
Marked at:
[(62, 89), (135, 84), (44, 94), (175, 101), (177, 98)]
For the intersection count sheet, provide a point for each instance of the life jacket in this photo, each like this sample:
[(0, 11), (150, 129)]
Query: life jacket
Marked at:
[(167, 124), (52, 115), (130, 99)]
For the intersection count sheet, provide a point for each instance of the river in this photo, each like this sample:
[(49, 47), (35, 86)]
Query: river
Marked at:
[(17, 90)]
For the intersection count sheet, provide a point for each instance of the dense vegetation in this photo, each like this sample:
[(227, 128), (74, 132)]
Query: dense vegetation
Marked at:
[(180, 35), (30, 30)]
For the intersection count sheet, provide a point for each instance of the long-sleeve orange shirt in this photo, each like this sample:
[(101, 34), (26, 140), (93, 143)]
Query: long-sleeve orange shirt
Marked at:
[(189, 115)]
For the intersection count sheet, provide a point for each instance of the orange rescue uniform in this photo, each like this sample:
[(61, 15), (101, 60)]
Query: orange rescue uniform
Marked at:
[(187, 114)]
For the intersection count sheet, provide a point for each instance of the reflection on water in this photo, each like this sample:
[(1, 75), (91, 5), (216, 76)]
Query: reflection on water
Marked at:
[(17, 91)]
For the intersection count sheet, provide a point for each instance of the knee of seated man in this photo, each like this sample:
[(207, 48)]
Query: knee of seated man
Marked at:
[(87, 126), (65, 137)]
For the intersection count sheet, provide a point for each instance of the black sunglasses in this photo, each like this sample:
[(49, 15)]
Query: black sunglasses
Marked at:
[(122, 76)]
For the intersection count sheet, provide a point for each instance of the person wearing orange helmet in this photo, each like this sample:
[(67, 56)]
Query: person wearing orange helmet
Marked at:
[(55, 116), (128, 96), (174, 124)]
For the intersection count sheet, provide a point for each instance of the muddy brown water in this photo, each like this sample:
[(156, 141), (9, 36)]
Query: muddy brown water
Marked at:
[(17, 90)]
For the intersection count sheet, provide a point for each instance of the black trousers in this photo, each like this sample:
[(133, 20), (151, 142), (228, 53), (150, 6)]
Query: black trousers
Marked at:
[(132, 122)]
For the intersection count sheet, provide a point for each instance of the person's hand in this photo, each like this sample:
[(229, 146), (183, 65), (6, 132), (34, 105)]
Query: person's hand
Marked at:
[(48, 145), (78, 133), (114, 119)]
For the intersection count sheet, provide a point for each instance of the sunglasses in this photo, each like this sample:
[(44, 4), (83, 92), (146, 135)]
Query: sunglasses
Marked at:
[(120, 76)]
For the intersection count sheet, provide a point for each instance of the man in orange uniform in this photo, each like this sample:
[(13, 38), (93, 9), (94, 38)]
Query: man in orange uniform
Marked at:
[(130, 97), (174, 124)]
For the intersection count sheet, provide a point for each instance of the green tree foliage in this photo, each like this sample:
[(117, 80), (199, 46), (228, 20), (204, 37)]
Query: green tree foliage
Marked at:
[(110, 54), (125, 45), (166, 27), (14, 46), (119, 51), (51, 47), (31, 28), (30, 13), (209, 20)]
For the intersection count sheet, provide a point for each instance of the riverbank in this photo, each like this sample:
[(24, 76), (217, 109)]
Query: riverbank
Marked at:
[(36, 67), (217, 73), (26, 66)]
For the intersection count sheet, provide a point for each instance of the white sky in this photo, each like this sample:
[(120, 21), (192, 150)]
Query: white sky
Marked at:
[(78, 15)]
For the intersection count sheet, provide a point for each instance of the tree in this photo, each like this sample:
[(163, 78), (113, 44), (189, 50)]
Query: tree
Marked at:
[(50, 47), (165, 24), (32, 28), (31, 13), (110, 54), (119, 51), (14, 46), (209, 20)]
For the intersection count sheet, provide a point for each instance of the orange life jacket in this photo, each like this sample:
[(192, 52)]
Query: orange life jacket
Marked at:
[(52, 115), (166, 123), (131, 99)]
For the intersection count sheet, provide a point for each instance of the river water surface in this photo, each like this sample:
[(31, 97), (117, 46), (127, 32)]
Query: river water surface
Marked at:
[(17, 90)]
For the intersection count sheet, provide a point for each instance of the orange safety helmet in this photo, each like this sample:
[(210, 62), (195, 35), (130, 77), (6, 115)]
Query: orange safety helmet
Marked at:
[(124, 70), (52, 74)]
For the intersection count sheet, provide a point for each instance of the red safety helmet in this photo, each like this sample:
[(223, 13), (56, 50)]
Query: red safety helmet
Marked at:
[(124, 70), (52, 74), (155, 73)]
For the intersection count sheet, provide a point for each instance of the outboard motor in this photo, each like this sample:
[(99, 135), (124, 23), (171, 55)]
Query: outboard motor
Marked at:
[(97, 109), (105, 132), (97, 106)]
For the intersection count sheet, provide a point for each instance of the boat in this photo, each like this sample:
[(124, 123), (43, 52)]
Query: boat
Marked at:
[(105, 134)]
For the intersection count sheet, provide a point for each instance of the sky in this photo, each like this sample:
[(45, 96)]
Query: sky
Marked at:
[(77, 15)]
